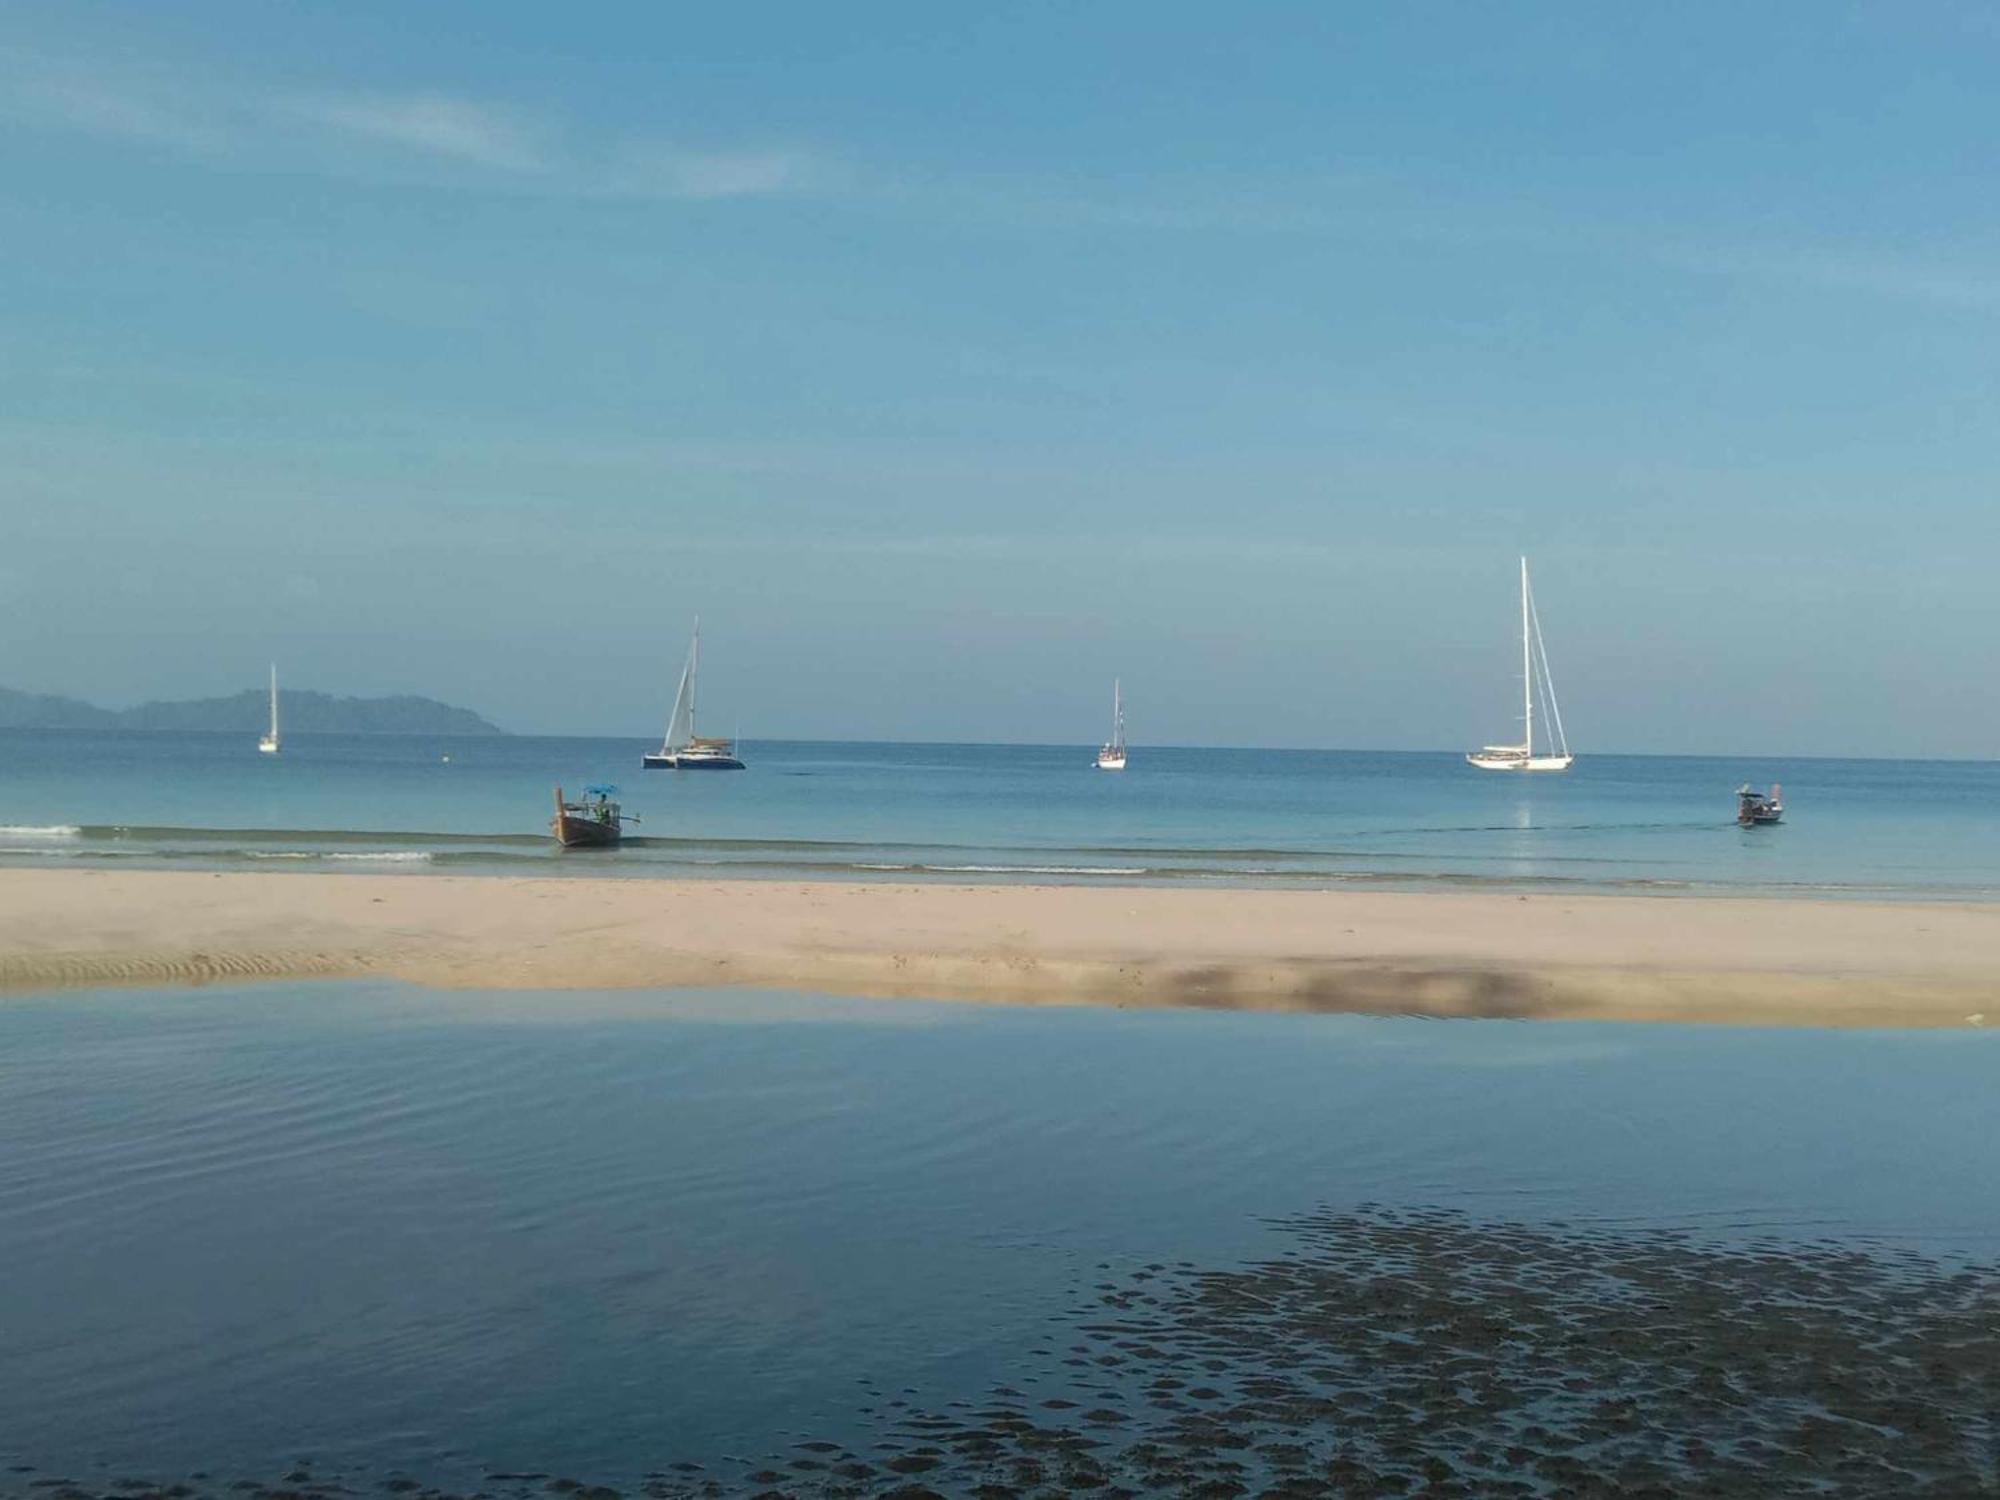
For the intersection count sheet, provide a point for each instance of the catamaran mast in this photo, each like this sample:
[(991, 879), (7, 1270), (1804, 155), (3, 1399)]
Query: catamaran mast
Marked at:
[(1527, 668), (694, 677)]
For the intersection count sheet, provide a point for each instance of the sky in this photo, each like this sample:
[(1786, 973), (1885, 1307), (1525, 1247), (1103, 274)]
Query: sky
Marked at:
[(949, 361)]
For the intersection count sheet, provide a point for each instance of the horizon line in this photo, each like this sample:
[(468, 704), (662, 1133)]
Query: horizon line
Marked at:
[(1064, 745)]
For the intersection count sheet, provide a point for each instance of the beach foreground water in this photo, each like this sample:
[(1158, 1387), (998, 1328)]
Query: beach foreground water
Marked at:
[(349, 1237), (1484, 953)]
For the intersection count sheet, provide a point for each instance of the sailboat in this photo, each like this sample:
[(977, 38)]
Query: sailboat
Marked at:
[(1534, 667), (268, 744), (1112, 756), (682, 749)]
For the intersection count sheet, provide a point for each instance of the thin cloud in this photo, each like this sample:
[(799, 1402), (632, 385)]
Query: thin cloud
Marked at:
[(1839, 270), (433, 137), (1365, 203), (430, 124), (661, 170), (134, 111), (430, 136)]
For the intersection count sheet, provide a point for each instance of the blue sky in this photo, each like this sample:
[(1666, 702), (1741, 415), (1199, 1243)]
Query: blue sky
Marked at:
[(949, 365)]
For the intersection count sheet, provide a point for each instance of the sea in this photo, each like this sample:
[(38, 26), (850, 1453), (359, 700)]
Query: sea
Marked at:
[(518, 1242), (1039, 813), (307, 1240)]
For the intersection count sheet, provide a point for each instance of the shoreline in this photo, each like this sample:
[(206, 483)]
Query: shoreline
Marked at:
[(1774, 961)]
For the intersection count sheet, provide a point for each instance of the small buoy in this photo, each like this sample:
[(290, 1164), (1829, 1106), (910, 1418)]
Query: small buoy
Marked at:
[(445, 758)]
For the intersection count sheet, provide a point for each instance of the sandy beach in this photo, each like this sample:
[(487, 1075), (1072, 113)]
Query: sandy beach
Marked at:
[(1446, 954)]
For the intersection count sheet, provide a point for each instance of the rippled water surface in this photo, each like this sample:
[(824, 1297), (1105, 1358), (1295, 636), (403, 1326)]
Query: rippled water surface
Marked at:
[(455, 1232), (1001, 812)]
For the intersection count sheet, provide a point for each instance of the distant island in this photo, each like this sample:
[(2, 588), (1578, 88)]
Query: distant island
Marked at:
[(244, 713)]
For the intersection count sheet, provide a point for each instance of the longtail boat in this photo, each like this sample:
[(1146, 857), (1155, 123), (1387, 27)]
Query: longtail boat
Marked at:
[(592, 823)]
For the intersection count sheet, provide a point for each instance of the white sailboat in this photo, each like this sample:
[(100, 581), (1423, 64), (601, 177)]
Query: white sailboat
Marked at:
[(682, 749), (1534, 668), (268, 744), (1112, 756)]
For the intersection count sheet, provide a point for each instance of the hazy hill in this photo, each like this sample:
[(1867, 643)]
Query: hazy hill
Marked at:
[(246, 712)]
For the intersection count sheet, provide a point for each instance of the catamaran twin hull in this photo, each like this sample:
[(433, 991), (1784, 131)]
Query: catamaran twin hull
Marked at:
[(682, 749), (690, 760)]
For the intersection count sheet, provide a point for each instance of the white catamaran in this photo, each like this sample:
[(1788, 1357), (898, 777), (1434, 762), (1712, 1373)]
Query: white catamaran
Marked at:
[(1534, 669), (268, 744), (1112, 756), (683, 749)]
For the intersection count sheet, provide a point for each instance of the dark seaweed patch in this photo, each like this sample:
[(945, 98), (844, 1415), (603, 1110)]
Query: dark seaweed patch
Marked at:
[(1417, 1354)]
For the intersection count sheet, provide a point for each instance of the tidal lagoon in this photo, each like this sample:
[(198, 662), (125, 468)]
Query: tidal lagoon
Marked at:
[(366, 1234)]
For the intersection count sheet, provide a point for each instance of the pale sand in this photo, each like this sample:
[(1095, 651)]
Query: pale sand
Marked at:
[(1483, 954)]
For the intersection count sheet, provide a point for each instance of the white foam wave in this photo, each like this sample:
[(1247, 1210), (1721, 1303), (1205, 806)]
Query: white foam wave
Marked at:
[(384, 856), (52, 832), (1015, 869)]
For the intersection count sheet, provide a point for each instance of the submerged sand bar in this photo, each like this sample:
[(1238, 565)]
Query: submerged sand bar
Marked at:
[(1449, 954)]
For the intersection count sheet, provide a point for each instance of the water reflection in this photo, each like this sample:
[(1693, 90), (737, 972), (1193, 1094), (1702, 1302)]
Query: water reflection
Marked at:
[(453, 1231)]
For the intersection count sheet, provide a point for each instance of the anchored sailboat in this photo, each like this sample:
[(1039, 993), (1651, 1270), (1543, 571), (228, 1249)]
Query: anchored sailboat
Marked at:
[(1534, 668), (1112, 756), (268, 744), (682, 749)]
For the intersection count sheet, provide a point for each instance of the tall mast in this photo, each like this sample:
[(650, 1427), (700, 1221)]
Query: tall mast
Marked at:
[(1117, 713), (1527, 667), (274, 700), (694, 675)]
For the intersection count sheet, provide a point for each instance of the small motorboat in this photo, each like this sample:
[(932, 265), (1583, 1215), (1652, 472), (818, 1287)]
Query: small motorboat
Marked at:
[(1755, 809), (594, 822)]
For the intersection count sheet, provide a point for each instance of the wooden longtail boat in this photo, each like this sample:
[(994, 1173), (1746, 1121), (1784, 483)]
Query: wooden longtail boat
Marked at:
[(593, 823)]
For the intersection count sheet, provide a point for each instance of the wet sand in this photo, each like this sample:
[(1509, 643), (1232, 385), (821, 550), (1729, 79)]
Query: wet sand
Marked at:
[(1403, 1353), (1432, 953)]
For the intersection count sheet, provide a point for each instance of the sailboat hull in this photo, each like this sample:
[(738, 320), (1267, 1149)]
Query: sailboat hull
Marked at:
[(1520, 762), (1110, 761), (682, 762)]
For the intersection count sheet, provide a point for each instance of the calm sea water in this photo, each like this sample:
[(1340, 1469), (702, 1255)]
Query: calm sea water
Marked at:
[(387, 1228), (1004, 812)]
